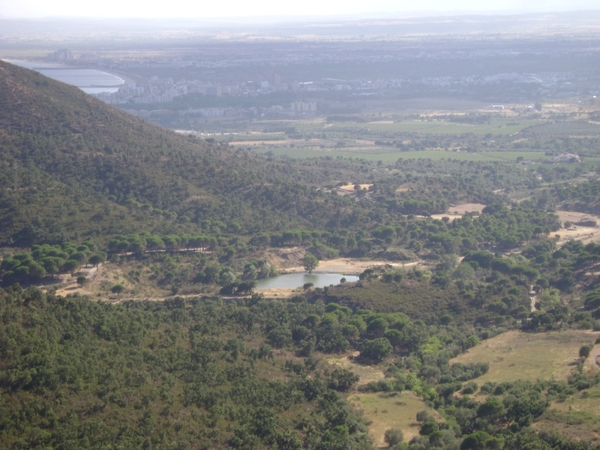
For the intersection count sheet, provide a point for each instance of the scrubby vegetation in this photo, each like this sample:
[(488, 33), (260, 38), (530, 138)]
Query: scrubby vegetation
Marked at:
[(85, 185)]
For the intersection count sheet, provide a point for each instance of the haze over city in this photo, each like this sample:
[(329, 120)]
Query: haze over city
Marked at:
[(270, 8)]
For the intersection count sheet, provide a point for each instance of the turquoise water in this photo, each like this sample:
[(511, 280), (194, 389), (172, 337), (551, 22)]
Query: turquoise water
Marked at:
[(294, 280), (91, 81)]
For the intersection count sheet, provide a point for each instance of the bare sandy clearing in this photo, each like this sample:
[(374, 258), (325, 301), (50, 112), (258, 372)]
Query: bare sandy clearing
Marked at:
[(579, 233), (466, 207), (279, 292), (71, 286), (365, 373), (592, 362), (348, 266), (575, 217), (456, 212), (289, 260), (350, 187), (583, 234)]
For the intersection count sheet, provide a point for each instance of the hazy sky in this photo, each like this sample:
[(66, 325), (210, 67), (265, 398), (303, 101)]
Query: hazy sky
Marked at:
[(240, 8)]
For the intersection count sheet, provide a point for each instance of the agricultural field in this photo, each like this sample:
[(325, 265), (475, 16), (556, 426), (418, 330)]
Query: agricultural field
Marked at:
[(495, 127), (516, 355)]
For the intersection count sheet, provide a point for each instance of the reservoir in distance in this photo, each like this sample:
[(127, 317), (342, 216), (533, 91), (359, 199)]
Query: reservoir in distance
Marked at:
[(295, 280)]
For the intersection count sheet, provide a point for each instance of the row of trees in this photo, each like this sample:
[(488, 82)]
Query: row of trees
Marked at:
[(44, 260)]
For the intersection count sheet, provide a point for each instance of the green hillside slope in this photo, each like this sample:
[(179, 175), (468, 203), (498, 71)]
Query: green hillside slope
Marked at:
[(72, 166)]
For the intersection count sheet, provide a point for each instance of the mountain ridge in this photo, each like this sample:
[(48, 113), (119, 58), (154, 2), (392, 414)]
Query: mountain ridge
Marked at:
[(61, 146)]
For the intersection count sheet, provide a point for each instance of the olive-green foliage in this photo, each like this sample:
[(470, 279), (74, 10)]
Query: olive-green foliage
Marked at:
[(81, 374), (48, 260)]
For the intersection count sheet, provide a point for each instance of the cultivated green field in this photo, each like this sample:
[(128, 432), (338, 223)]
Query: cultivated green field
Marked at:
[(495, 127), (392, 155)]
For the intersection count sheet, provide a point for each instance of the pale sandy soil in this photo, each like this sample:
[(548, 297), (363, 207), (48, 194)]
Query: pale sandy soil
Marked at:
[(365, 373), (583, 234), (575, 216), (347, 266), (592, 363), (456, 212), (289, 260), (350, 187), (279, 292), (70, 285)]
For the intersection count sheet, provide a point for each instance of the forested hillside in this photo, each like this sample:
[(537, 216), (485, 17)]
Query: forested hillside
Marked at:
[(78, 374), (73, 166), (206, 362)]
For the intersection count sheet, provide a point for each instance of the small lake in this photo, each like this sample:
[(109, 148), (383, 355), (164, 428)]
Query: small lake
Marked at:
[(295, 280), (90, 81)]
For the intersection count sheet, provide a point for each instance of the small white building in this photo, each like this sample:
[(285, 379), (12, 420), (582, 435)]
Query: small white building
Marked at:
[(566, 158)]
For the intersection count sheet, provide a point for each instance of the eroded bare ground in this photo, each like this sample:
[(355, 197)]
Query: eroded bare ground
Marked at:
[(348, 266), (68, 283), (584, 234), (456, 212), (366, 374)]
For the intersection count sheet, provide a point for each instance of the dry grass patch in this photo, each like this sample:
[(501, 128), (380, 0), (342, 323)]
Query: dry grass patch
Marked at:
[(391, 410), (528, 356), (350, 187), (279, 292), (578, 417), (365, 373), (458, 211)]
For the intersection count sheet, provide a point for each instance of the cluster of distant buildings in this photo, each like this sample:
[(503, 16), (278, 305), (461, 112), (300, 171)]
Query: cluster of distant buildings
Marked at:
[(165, 90), (60, 55), (557, 159)]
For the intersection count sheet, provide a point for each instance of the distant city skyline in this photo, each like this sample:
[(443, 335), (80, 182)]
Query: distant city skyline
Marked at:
[(270, 8)]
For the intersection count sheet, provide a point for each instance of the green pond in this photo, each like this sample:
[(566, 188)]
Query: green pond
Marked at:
[(294, 280)]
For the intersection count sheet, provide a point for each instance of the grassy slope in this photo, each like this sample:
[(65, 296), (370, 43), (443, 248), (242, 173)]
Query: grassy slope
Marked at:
[(528, 356), (578, 417), (394, 410), (532, 356)]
